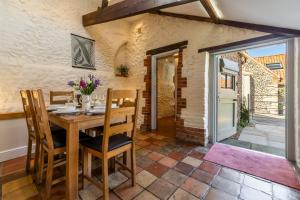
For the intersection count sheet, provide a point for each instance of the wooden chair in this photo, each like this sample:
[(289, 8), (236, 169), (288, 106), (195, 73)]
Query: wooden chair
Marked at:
[(33, 136), (113, 141), (52, 143), (60, 97), (47, 141)]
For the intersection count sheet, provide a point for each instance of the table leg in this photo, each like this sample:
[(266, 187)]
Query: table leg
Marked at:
[(72, 162)]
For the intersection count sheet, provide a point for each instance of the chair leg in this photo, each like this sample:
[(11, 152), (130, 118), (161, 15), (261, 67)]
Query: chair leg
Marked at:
[(105, 178), (36, 159), (29, 149), (125, 158), (41, 166), (133, 165), (112, 164), (49, 175), (83, 168), (87, 165)]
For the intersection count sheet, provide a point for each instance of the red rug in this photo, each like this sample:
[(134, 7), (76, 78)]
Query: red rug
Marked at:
[(263, 165)]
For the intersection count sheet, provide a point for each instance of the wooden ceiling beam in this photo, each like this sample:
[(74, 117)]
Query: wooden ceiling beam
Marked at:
[(210, 10), (242, 43), (167, 48), (183, 16), (104, 3), (250, 26), (128, 8)]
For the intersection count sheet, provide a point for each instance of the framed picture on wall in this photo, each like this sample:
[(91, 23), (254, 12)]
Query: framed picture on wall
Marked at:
[(83, 52)]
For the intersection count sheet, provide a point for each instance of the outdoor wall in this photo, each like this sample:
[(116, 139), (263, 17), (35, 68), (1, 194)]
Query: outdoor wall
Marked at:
[(263, 89), (35, 52), (165, 87), (155, 31)]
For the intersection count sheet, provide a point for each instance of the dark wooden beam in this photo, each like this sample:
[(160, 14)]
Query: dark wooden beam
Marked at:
[(183, 16), (128, 8), (256, 27), (210, 10), (104, 3), (262, 28), (242, 43), (167, 48)]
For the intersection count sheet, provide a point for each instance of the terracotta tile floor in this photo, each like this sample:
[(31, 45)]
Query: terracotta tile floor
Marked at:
[(166, 170)]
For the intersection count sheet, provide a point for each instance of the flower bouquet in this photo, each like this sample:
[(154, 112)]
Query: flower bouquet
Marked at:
[(86, 87)]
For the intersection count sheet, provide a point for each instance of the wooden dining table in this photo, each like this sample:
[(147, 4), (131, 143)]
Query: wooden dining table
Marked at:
[(72, 124)]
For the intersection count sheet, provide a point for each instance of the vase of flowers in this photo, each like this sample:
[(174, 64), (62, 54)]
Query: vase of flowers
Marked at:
[(86, 87)]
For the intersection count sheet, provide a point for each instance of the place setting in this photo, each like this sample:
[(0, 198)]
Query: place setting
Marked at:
[(84, 100)]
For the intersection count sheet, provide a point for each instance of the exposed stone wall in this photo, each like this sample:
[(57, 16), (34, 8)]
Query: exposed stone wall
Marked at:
[(35, 52), (35, 48), (166, 87), (264, 92)]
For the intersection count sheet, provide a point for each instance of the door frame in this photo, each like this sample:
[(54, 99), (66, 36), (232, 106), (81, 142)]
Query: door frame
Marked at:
[(290, 93), (154, 91)]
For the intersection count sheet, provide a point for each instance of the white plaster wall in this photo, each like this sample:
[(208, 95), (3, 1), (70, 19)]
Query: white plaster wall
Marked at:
[(297, 100), (35, 52), (35, 46), (157, 31), (13, 143), (165, 87)]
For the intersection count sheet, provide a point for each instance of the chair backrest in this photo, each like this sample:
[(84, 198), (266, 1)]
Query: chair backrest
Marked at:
[(127, 114), (60, 97), (29, 113), (42, 117)]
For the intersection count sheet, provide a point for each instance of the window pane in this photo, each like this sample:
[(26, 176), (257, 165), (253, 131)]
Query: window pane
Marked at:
[(229, 82), (223, 81)]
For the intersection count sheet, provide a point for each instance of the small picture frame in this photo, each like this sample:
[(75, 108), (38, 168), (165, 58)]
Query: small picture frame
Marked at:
[(83, 52)]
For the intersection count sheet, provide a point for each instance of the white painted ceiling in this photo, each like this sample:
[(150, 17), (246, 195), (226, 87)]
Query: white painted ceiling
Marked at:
[(194, 8), (280, 13)]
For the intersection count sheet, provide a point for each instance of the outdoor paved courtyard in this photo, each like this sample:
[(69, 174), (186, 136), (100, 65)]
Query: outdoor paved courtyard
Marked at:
[(267, 135)]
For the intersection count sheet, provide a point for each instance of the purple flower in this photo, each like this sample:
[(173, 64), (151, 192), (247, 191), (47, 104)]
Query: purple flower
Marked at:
[(85, 86), (71, 83), (97, 83)]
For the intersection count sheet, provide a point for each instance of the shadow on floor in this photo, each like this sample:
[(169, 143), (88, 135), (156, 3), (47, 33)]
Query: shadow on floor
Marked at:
[(256, 147)]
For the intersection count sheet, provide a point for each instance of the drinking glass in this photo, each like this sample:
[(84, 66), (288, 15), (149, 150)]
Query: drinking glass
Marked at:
[(94, 98), (102, 99)]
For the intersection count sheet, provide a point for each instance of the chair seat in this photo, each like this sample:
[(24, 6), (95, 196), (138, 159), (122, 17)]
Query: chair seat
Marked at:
[(55, 128), (59, 138), (115, 142)]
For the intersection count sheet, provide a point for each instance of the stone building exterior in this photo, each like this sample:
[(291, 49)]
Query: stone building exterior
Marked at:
[(266, 86), (264, 83)]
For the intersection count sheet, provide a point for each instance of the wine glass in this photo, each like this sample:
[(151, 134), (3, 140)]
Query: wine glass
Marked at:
[(102, 99), (94, 98), (70, 99)]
